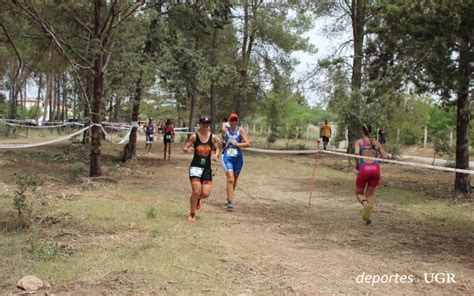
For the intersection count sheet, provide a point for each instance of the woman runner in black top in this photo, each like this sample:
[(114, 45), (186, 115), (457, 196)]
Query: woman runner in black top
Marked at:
[(204, 144), (168, 138)]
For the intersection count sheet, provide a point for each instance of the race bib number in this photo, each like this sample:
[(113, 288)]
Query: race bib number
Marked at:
[(195, 172), (168, 137), (232, 152)]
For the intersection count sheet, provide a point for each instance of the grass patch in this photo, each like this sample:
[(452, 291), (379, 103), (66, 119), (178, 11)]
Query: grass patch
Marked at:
[(151, 213)]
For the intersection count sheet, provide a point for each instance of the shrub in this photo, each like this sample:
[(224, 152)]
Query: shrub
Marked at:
[(26, 185), (394, 150)]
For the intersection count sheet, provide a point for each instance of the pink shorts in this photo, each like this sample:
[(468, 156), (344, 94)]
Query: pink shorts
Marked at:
[(369, 173)]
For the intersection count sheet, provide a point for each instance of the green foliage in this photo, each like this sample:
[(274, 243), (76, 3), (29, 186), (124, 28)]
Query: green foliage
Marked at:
[(411, 118), (32, 111), (151, 213), (47, 251), (3, 109), (26, 185), (75, 171), (441, 148), (441, 123)]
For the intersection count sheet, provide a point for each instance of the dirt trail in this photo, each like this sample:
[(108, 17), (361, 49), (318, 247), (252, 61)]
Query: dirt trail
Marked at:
[(271, 244)]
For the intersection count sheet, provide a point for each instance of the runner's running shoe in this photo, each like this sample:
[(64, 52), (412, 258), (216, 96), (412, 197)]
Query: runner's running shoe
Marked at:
[(230, 205), (191, 218), (367, 212)]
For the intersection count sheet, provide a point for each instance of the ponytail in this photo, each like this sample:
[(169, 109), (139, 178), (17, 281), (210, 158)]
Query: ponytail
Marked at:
[(367, 130)]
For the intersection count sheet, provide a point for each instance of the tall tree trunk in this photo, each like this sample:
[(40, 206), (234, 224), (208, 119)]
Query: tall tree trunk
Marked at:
[(65, 94), (38, 98), (462, 182), (212, 91), (51, 98), (74, 104), (87, 111), (117, 107), (22, 103), (111, 109), (249, 35), (193, 93), (358, 15), (130, 150), (243, 70), (95, 169), (57, 106), (47, 98)]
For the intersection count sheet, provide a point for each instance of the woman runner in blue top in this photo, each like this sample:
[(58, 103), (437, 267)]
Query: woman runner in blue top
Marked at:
[(235, 138)]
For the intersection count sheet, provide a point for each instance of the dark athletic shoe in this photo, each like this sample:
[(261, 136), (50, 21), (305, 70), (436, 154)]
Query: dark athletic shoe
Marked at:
[(368, 222), (230, 206)]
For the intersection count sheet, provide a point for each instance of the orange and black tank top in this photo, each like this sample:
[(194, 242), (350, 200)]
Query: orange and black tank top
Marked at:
[(202, 153)]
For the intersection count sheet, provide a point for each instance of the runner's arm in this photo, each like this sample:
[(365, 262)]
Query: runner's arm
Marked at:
[(189, 144), (356, 152), (383, 153), (245, 139), (223, 128), (215, 142)]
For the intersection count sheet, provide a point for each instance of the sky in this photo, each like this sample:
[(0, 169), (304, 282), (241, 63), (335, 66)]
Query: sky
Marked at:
[(326, 45)]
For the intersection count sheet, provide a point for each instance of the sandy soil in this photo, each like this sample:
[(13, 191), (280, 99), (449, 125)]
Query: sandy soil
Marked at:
[(272, 243)]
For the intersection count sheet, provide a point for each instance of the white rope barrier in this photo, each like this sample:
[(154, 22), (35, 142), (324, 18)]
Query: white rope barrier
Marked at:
[(44, 126), (124, 140), (49, 142), (281, 151), (403, 163)]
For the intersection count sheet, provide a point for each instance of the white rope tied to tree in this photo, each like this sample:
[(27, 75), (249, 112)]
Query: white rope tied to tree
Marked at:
[(403, 163), (124, 140), (48, 142)]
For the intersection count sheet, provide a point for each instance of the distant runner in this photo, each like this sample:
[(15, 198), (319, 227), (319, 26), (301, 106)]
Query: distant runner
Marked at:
[(235, 138), (368, 171), (168, 138), (149, 129), (325, 133), (204, 144)]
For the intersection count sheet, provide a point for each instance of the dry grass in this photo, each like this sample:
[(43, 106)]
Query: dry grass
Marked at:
[(109, 243)]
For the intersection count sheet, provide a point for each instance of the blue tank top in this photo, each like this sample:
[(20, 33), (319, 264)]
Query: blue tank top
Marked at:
[(366, 146), (149, 128), (232, 135)]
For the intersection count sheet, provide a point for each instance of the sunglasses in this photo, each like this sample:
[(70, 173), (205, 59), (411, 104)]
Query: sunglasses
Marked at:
[(206, 122), (234, 119)]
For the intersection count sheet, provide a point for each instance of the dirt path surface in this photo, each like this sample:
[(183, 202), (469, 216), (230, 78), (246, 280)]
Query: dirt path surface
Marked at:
[(270, 243)]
